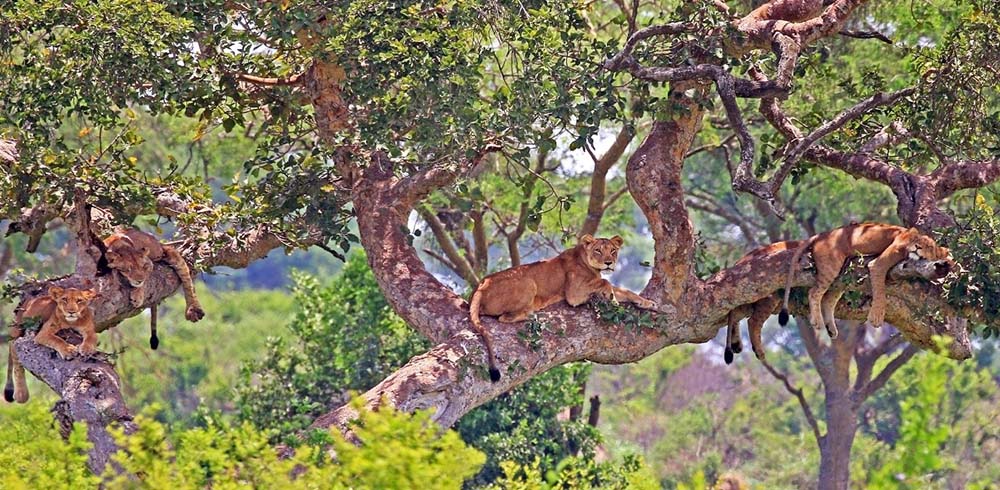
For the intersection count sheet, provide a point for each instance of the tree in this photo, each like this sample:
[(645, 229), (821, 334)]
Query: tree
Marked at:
[(367, 110)]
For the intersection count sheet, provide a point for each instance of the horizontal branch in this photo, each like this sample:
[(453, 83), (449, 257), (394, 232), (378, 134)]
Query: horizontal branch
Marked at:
[(270, 81)]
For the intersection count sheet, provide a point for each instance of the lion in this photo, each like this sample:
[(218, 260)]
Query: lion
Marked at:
[(132, 252), (58, 309), (573, 275), (831, 249), (759, 311)]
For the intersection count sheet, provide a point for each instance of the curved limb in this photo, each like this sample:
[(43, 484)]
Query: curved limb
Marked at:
[(878, 269)]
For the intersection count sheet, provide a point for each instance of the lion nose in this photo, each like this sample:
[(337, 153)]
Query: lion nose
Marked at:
[(608, 262)]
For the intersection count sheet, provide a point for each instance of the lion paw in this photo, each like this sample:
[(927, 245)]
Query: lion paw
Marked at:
[(876, 319), (135, 299), (87, 350), (194, 313), (67, 353)]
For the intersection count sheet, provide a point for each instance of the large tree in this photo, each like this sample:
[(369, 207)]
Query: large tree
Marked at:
[(369, 111)]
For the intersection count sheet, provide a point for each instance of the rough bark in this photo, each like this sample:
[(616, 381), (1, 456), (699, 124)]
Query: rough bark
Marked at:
[(450, 378), (89, 391)]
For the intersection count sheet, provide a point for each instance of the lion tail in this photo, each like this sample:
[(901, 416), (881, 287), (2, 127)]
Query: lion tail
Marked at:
[(154, 341), (16, 388), (733, 343), (783, 315), (485, 334)]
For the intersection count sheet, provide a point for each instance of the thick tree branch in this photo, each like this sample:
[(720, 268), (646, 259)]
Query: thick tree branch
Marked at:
[(598, 181), (89, 391), (956, 176)]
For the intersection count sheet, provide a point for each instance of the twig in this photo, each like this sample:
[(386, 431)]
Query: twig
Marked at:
[(797, 392), (865, 35)]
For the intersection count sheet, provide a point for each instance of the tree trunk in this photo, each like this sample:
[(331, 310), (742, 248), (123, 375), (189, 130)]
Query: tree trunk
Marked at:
[(835, 449)]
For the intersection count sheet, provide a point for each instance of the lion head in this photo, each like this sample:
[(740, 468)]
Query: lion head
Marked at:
[(133, 263), (71, 302), (601, 253), (923, 247)]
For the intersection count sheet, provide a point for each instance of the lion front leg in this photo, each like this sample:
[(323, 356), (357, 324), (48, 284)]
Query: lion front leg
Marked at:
[(877, 270), (89, 344), (626, 295), (193, 312), (47, 337)]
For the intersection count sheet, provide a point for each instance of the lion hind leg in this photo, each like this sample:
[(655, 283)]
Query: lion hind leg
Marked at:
[(816, 307), (734, 345), (514, 317), (760, 313), (829, 304), (194, 312)]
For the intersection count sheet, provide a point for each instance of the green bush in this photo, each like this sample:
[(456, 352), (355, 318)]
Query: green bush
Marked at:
[(35, 457), (399, 451), (344, 336)]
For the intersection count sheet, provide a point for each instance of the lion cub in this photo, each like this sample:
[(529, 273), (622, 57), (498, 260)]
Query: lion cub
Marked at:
[(573, 275), (59, 308), (831, 249), (132, 253)]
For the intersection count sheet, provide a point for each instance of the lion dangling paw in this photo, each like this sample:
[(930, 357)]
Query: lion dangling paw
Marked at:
[(132, 253)]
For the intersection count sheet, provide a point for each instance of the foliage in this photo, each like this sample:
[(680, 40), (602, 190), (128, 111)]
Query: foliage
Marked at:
[(344, 337), (576, 473), (523, 425), (975, 247), (35, 456), (188, 375), (399, 451), (921, 423)]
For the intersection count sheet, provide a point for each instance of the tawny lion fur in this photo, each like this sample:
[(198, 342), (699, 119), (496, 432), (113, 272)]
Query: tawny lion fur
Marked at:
[(758, 311), (892, 244), (59, 308), (573, 275), (132, 253)]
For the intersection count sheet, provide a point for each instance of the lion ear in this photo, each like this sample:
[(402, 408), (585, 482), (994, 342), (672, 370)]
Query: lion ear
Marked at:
[(88, 294), (617, 241), (56, 292), (587, 239)]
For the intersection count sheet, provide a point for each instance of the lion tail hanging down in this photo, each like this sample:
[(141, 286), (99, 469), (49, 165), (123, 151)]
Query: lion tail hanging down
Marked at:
[(485, 334), (783, 315)]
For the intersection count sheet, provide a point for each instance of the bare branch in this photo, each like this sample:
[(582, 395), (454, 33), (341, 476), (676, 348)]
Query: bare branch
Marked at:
[(886, 373), (458, 262), (660, 30), (270, 81), (797, 393), (865, 35), (848, 115), (598, 180), (888, 136)]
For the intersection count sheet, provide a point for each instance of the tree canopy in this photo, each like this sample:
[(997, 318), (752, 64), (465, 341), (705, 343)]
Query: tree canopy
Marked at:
[(368, 123)]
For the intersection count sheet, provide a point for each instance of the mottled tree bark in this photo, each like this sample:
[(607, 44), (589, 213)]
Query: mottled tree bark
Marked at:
[(450, 378)]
